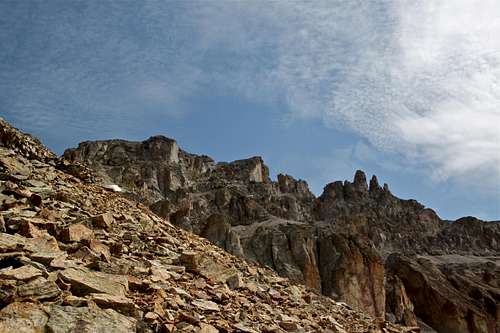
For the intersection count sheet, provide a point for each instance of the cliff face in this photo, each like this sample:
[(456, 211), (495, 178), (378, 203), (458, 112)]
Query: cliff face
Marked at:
[(337, 243), (78, 257)]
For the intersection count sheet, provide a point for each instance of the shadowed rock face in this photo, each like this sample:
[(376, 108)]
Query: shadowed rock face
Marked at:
[(337, 243), (451, 293)]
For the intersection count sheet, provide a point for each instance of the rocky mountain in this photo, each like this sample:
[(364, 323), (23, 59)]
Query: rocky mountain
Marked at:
[(356, 242), (78, 257)]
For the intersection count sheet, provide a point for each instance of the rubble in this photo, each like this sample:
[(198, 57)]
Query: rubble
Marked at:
[(137, 273), (337, 244)]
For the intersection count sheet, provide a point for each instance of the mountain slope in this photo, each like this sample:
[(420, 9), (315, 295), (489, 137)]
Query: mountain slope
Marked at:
[(76, 256), (338, 243)]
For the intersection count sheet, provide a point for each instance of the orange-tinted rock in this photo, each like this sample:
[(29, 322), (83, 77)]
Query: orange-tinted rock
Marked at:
[(76, 233)]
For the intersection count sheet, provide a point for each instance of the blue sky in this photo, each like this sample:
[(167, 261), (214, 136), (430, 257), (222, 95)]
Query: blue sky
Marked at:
[(406, 90)]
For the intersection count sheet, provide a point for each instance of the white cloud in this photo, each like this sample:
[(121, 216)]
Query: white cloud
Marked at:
[(421, 79)]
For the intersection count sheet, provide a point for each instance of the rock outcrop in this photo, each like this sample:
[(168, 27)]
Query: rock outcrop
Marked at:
[(76, 256), (451, 293), (337, 244)]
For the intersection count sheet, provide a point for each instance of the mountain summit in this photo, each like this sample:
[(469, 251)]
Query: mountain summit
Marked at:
[(356, 242), (76, 256)]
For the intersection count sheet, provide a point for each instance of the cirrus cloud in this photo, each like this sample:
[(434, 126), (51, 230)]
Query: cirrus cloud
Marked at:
[(421, 79), (417, 78)]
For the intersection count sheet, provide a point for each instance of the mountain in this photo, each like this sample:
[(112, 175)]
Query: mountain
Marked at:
[(78, 257), (356, 243)]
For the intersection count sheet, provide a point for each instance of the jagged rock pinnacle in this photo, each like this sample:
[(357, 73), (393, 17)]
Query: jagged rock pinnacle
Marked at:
[(374, 186), (360, 181)]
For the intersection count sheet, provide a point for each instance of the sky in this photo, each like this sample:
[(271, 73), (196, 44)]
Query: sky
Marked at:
[(406, 90)]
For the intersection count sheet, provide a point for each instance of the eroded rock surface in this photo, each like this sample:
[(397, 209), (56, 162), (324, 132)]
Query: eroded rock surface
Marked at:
[(82, 258), (336, 244)]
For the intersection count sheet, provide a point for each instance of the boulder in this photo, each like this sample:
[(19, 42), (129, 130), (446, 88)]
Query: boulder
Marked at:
[(23, 317), (23, 273), (104, 221), (67, 319), (76, 233), (39, 289), (84, 281)]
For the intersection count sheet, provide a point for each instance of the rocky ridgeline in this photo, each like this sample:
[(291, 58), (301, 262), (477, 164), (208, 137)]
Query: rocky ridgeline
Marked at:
[(77, 257), (356, 243)]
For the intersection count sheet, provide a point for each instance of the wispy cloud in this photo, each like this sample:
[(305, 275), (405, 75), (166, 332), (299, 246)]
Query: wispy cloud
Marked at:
[(421, 79), (418, 78)]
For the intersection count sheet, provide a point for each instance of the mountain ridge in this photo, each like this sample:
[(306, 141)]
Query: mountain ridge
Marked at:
[(282, 224), (77, 256)]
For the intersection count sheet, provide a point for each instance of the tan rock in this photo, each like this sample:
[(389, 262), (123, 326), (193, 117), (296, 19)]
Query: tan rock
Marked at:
[(118, 303), (44, 243), (27, 229), (76, 233), (10, 243), (39, 289), (87, 256), (84, 282), (23, 273), (235, 281), (190, 260), (207, 328), (192, 318), (205, 305), (244, 328), (64, 319), (159, 275), (104, 221), (98, 247), (151, 316), (23, 318), (289, 326)]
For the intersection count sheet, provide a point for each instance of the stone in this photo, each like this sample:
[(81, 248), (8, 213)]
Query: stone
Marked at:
[(289, 326), (190, 260), (27, 229), (192, 318), (39, 289), (235, 281), (118, 303), (84, 282), (360, 181), (87, 256), (113, 187), (338, 244), (104, 221), (23, 317), (23, 273), (399, 303), (98, 247), (205, 305), (10, 243), (65, 319), (244, 328), (357, 274), (207, 328), (43, 243), (159, 274), (76, 233), (151, 316), (422, 279), (2, 224)]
